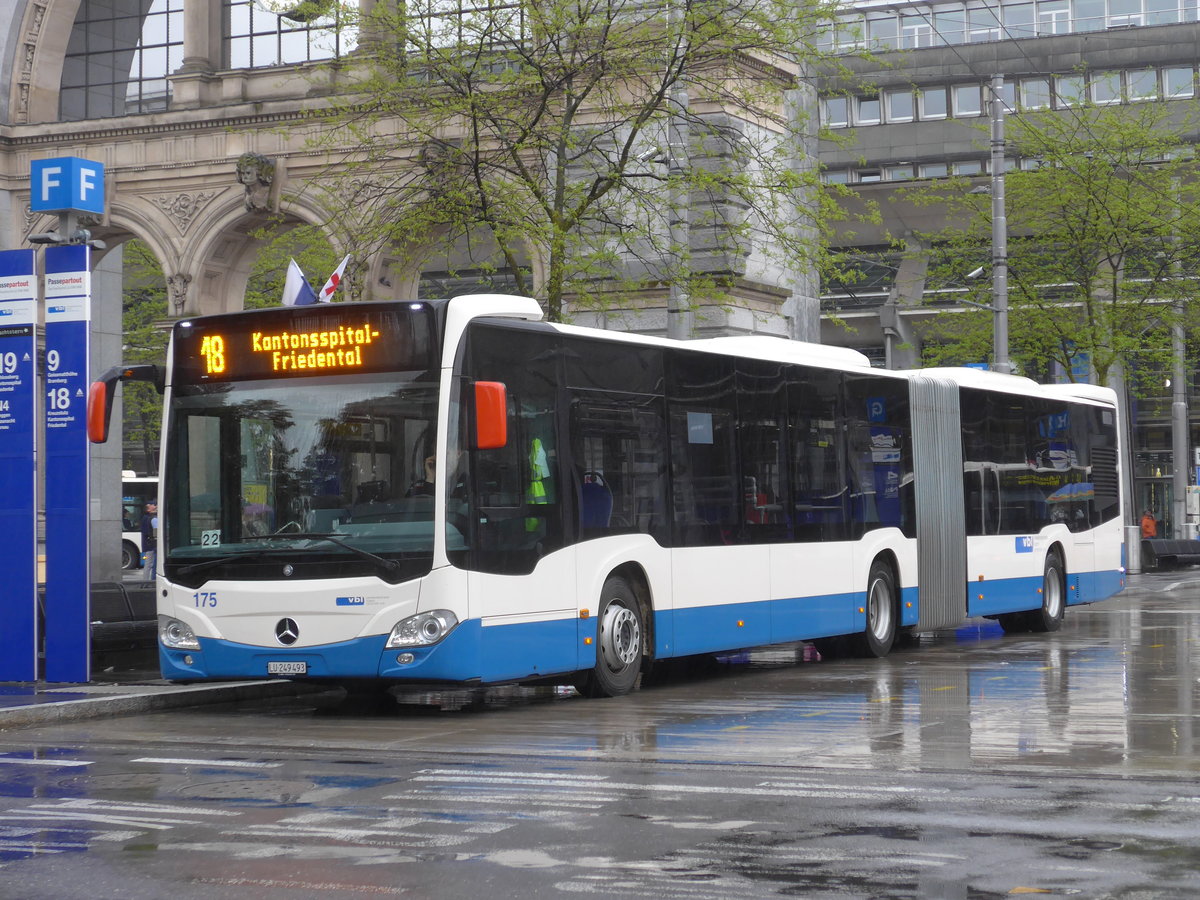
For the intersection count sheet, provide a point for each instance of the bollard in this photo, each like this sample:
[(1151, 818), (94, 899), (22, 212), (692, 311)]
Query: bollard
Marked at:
[(1133, 549)]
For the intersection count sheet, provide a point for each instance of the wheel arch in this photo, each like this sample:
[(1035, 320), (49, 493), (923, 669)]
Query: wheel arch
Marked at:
[(636, 577)]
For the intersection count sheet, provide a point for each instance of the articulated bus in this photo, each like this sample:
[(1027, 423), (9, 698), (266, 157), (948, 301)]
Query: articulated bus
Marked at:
[(457, 492)]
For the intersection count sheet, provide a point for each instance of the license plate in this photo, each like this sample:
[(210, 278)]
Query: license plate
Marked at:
[(287, 668)]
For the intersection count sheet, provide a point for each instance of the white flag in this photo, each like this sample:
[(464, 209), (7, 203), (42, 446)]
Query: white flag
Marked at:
[(334, 280)]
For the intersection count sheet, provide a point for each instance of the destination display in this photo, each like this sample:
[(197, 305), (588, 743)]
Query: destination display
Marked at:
[(286, 342)]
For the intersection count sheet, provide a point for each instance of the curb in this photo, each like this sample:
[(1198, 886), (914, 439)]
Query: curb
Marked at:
[(153, 699)]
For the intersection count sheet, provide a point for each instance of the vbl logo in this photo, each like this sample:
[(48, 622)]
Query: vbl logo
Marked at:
[(1025, 544), (351, 601)]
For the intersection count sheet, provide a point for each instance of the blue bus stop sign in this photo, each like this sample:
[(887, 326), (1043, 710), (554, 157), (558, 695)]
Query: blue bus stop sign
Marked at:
[(66, 184), (18, 517), (68, 582)]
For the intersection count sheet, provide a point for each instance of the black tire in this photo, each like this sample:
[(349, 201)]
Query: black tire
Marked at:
[(130, 558), (1054, 596), (620, 642), (882, 613)]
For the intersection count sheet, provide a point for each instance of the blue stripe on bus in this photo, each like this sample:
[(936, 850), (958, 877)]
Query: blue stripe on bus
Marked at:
[(534, 649)]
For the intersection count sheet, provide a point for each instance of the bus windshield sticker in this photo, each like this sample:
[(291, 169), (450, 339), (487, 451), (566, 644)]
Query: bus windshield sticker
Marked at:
[(700, 428)]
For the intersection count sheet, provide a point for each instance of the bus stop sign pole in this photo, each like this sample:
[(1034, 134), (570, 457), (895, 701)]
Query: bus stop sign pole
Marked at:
[(67, 185)]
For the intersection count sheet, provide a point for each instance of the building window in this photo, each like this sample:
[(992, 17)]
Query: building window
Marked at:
[(950, 24), (1178, 83), (1035, 93), (983, 24), (255, 38), (866, 110), (1141, 84), (934, 170), (899, 106), (1089, 15), (883, 32), (916, 31), (836, 112), (1054, 17), (869, 176), (933, 103), (1162, 12), (1069, 90), (1018, 20), (967, 100), (899, 173), (116, 64), (1124, 13), (1106, 87), (968, 167), (835, 176)]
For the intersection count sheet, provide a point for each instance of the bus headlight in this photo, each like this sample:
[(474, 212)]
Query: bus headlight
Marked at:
[(176, 635), (422, 629)]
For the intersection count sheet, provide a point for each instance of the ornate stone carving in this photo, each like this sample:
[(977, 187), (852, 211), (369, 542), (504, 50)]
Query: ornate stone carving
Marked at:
[(182, 208), (256, 172), (39, 16), (177, 287)]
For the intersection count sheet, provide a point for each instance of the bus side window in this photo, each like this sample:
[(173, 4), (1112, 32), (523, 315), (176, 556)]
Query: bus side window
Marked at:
[(616, 447), (705, 488), (819, 486)]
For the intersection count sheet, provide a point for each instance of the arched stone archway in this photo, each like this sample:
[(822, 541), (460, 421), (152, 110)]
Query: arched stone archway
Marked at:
[(217, 262), (45, 31), (433, 265)]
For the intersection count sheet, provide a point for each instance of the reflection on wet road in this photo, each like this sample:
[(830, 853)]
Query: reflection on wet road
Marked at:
[(966, 765)]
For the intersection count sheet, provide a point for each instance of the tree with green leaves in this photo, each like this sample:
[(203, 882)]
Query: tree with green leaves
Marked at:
[(569, 137), (143, 310), (1103, 242)]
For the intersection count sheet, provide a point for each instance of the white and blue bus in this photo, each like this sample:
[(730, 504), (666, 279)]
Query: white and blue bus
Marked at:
[(457, 492)]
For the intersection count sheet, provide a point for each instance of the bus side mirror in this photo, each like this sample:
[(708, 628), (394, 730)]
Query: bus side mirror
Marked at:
[(104, 389), (491, 415)]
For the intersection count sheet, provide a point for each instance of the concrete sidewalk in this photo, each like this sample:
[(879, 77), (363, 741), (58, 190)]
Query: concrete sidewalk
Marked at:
[(39, 703)]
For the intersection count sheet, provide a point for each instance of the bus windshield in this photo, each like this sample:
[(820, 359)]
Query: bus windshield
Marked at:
[(318, 479)]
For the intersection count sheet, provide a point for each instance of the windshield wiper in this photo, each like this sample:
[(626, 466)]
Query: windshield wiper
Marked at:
[(221, 560), (388, 565)]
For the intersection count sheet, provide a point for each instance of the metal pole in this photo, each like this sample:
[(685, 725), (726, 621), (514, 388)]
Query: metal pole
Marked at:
[(1000, 360), (1179, 428)]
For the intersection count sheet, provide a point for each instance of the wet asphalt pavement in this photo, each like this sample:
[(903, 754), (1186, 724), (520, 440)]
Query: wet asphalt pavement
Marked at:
[(968, 764)]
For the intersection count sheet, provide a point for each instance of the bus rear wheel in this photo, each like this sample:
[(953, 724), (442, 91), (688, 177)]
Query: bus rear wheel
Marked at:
[(1054, 596), (620, 641), (877, 638), (130, 558)]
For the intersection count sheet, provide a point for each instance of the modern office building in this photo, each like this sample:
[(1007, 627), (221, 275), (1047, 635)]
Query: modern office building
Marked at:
[(918, 110)]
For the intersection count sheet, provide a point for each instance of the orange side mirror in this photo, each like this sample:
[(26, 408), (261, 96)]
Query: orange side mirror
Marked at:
[(491, 415), (99, 411)]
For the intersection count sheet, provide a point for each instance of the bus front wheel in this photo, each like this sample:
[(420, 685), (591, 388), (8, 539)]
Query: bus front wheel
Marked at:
[(1054, 596), (877, 638), (620, 641), (130, 558)]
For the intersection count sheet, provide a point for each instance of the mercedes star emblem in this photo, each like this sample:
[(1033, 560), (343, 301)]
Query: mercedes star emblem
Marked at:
[(287, 632)]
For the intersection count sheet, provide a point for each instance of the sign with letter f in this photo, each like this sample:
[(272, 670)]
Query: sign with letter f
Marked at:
[(66, 184)]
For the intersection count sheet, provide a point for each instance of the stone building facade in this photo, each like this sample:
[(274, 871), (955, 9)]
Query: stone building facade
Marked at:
[(196, 108)]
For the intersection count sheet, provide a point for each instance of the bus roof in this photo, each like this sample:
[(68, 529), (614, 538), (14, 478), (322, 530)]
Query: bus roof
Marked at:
[(1017, 384)]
